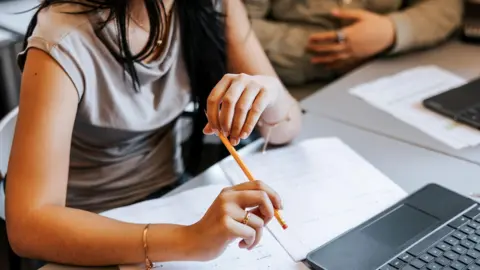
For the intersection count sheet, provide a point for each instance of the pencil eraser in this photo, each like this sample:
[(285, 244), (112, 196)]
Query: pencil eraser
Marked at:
[(284, 226)]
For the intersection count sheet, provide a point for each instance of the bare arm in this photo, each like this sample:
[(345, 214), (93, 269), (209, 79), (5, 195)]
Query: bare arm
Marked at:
[(425, 23), (39, 224), (246, 55)]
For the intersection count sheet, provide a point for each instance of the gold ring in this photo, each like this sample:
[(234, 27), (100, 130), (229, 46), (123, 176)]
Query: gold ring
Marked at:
[(246, 218)]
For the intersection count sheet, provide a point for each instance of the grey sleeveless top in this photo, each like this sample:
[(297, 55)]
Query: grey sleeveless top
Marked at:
[(125, 144)]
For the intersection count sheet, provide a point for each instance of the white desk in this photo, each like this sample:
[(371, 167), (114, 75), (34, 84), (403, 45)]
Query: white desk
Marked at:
[(335, 102), (409, 166), (17, 22)]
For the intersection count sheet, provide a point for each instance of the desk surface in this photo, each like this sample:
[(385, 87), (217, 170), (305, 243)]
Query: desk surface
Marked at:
[(335, 102), (409, 166)]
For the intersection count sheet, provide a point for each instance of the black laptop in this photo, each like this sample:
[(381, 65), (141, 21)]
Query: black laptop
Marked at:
[(434, 228), (461, 104)]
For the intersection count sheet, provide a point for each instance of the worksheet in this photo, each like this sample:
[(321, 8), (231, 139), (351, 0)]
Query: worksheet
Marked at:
[(187, 208), (267, 255), (326, 189), (402, 94)]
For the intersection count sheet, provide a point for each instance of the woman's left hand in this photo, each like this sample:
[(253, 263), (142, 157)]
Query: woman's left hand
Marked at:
[(236, 103)]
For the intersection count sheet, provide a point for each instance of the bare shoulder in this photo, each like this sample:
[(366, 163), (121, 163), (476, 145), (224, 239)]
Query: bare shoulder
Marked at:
[(45, 82), (58, 21)]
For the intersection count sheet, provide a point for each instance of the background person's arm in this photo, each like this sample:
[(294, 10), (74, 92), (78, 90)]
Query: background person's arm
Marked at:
[(425, 22), (258, 9)]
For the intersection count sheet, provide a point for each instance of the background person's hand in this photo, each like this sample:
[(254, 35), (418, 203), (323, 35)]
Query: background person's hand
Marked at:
[(368, 35), (236, 103), (222, 223)]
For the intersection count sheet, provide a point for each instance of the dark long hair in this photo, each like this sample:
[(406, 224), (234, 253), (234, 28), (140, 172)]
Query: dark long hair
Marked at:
[(202, 30)]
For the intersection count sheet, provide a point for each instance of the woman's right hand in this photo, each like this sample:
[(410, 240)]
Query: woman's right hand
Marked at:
[(222, 223)]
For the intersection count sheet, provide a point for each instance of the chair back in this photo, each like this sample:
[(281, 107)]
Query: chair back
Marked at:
[(7, 130)]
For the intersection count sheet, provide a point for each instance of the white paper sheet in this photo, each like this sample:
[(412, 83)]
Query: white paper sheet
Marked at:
[(326, 189), (402, 94), (187, 208)]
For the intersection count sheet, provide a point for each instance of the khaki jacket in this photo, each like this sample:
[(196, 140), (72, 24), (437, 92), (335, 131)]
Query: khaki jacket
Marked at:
[(283, 26)]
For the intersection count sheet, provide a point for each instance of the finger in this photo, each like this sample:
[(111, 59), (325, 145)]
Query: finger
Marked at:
[(240, 230), (349, 14), (327, 48), (253, 221), (258, 106), (207, 130), (255, 198), (329, 36), (241, 110), (259, 231), (330, 58), (257, 212), (215, 98), (229, 104), (260, 186), (258, 237)]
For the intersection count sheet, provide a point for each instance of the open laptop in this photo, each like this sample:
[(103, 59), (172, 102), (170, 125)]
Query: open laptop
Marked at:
[(434, 228), (461, 104)]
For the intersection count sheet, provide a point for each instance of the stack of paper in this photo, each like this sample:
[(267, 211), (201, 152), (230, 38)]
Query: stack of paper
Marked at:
[(326, 189), (187, 208), (401, 95)]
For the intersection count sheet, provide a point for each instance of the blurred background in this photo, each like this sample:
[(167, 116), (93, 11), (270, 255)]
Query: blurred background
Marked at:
[(12, 27)]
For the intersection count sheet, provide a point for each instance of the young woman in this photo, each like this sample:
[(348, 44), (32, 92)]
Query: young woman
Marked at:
[(103, 83)]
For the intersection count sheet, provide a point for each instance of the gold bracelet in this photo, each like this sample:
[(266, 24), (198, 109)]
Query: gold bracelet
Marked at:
[(271, 126), (148, 263)]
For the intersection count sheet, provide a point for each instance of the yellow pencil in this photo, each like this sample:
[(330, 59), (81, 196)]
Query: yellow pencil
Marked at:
[(247, 172)]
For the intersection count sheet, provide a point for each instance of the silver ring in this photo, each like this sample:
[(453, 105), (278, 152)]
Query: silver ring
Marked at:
[(340, 36)]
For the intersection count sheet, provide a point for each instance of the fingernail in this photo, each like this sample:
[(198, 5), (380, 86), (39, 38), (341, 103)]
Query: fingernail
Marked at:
[(232, 141), (244, 135), (215, 131), (225, 133), (205, 131)]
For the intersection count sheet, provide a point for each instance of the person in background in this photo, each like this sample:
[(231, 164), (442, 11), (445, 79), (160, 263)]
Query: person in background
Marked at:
[(309, 40), (103, 85)]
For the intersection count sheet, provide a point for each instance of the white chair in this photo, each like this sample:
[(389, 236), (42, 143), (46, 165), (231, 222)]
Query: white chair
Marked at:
[(7, 130)]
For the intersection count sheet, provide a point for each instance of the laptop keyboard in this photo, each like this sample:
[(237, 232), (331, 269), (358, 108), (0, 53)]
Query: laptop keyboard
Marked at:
[(455, 246)]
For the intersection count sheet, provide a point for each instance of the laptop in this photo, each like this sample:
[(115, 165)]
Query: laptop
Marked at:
[(461, 104), (433, 228)]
